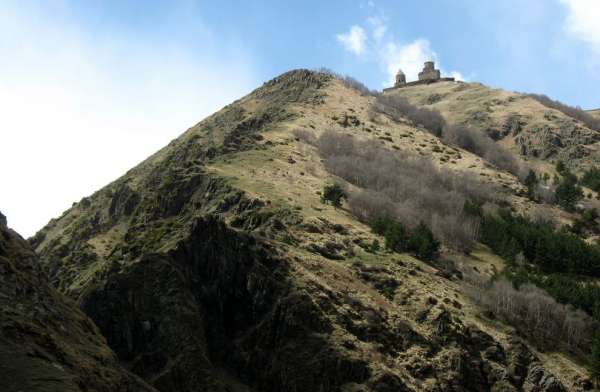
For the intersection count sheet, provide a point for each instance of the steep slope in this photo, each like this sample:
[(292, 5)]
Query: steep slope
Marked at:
[(46, 342), (519, 122), (595, 112), (213, 265)]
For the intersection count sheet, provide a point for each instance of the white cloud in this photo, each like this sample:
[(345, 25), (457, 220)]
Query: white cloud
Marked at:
[(354, 40), (583, 21), (409, 58), (389, 53), (379, 28), (458, 76), (80, 108)]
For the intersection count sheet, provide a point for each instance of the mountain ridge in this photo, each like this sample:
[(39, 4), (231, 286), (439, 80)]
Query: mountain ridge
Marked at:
[(221, 237)]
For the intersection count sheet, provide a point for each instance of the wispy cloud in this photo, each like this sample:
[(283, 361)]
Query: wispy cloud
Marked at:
[(80, 107), (354, 40), (390, 53), (583, 21)]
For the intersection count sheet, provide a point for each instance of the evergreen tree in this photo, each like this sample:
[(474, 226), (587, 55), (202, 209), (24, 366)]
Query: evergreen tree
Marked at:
[(530, 182), (422, 243), (333, 194), (560, 167), (395, 237), (568, 193)]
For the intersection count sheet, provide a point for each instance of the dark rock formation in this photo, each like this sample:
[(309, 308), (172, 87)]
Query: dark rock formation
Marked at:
[(46, 342)]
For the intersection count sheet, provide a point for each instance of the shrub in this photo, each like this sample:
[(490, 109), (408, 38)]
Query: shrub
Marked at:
[(405, 187), (398, 107), (481, 144), (591, 179), (538, 315), (349, 82), (374, 247), (475, 141), (560, 167), (333, 194), (574, 112)]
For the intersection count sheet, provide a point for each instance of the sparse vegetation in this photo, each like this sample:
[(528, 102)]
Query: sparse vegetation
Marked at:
[(405, 187), (538, 315), (350, 82), (575, 112), (479, 143), (398, 107), (471, 139)]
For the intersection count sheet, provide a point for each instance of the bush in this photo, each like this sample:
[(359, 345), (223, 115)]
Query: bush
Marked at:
[(591, 179), (475, 141), (575, 112), (350, 82), (405, 187), (398, 107), (333, 194), (538, 315), (481, 144)]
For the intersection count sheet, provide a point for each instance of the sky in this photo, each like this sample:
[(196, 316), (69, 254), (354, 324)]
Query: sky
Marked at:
[(88, 89)]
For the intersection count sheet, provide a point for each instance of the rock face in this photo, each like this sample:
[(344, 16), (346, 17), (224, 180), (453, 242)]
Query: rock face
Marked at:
[(46, 342), (212, 266)]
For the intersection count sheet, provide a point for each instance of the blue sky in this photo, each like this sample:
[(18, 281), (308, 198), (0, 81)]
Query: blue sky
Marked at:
[(90, 88)]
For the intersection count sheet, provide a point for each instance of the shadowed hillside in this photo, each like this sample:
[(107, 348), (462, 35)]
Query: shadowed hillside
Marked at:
[(46, 342)]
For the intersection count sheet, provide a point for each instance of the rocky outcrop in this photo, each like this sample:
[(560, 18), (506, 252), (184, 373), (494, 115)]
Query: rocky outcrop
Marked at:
[(218, 301), (46, 342)]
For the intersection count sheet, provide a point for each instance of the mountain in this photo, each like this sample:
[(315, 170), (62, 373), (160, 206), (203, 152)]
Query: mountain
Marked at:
[(46, 342), (215, 265)]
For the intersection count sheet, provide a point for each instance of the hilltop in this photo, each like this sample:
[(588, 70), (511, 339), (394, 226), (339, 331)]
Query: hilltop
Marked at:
[(215, 264)]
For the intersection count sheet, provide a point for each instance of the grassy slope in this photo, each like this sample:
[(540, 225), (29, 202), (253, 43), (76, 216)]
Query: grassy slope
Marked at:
[(272, 177), (288, 173), (546, 135)]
